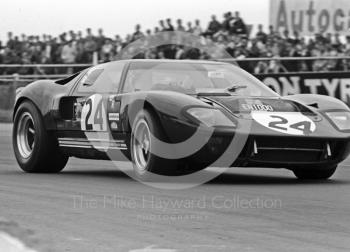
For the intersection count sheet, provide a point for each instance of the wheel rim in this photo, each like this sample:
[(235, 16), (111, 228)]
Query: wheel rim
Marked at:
[(141, 145), (26, 135)]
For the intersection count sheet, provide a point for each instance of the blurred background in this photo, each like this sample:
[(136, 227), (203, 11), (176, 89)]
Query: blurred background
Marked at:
[(277, 40)]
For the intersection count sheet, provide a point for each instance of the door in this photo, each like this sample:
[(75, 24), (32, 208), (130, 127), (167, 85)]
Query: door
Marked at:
[(89, 118)]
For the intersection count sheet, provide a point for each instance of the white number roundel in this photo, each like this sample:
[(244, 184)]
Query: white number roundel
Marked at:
[(93, 114), (293, 123)]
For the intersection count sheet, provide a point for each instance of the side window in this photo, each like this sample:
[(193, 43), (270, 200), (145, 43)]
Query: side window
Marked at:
[(102, 79), (92, 77), (87, 83), (129, 85), (137, 80)]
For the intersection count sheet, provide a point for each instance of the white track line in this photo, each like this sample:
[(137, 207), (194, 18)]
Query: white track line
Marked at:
[(12, 244), (153, 248)]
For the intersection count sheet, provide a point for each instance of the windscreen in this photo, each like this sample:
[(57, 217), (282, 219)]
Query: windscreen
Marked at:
[(193, 78)]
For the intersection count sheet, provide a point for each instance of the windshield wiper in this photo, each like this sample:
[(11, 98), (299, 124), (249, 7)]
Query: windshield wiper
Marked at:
[(234, 88)]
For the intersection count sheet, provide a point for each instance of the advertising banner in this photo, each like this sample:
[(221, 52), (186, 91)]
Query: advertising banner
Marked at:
[(311, 16), (335, 84)]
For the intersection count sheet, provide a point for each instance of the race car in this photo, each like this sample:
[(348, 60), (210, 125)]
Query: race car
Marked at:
[(173, 117)]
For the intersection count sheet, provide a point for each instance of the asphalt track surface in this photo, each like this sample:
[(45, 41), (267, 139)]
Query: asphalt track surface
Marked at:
[(91, 206)]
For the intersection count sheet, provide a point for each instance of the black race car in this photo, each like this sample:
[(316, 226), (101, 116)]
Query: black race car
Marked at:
[(174, 117)]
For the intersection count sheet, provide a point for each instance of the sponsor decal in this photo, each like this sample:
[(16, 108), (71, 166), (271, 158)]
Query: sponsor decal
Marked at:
[(114, 125), (292, 123), (113, 116), (216, 74), (257, 107), (309, 17)]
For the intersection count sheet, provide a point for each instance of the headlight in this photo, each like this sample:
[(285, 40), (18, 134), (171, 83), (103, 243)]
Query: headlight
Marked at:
[(210, 117), (341, 119)]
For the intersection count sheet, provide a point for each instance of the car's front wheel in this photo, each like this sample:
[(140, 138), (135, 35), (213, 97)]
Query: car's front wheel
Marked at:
[(318, 173), (146, 163), (36, 149)]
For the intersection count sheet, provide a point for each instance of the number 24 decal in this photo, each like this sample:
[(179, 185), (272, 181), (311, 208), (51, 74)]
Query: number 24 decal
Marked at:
[(304, 126), (94, 114), (97, 120)]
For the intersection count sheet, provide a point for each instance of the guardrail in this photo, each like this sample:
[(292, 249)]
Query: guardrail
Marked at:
[(43, 65), (288, 58), (30, 77), (44, 71)]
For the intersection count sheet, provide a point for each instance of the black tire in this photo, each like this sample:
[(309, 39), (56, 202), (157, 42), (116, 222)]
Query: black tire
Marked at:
[(318, 173), (154, 164), (39, 153)]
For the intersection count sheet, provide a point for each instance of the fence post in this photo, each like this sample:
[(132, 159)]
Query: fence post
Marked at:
[(94, 58)]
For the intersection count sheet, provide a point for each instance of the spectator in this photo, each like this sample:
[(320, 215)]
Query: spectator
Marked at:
[(180, 52), (156, 30), (336, 43), (261, 35), (297, 39), (10, 41), (237, 25), (275, 66), (23, 37), (347, 45), (287, 38), (197, 29), (180, 27), (100, 39), (162, 25), (213, 27), (189, 27), (137, 34), (170, 27), (227, 19), (347, 54), (271, 31), (107, 51), (69, 53), (90, 46), (148, 32), (1, 57), (192, 53)]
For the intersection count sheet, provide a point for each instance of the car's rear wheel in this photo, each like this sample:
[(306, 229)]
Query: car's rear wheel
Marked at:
[(318, 173), (36, 149), (146, 163)]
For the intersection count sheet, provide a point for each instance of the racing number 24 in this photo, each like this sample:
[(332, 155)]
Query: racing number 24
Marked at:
[(303, 126), (98, 119)]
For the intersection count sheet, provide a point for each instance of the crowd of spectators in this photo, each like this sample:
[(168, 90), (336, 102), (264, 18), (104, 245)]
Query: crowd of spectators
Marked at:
[(230, 33)]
